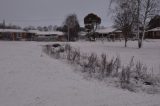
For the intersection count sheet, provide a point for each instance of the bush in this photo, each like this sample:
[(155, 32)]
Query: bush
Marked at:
[(125, 77), (75, 56), (129, 77), (103, 66), (91, 64)]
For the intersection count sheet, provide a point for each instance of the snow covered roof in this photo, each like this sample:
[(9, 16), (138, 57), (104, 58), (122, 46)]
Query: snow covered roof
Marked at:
[(106, 30), (37, 32), (82, 33), (33, 31), (49, 33), (154, 29), (12, 30), (118, 31)]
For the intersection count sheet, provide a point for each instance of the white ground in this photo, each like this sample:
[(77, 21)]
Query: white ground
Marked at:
[(29, 79), (149, 55)]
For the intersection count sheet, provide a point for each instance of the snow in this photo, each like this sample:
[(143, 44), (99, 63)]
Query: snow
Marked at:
[(50, 33), (149, 55), (30, 78), (154, 29), (106, 30), (37, 32)]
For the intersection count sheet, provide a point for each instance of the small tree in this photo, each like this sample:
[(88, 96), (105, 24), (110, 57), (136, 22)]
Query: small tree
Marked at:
[(40, 28), (50, 28), (71, 27), (91, 22), (45, 28)]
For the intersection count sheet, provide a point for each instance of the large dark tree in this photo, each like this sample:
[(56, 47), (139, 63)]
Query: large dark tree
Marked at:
[(71, 27), (91, 22), (154, 22)]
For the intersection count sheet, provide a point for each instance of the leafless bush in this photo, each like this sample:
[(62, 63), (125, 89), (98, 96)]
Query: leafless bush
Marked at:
[(125, 77), (110, 67), (129, 76), (140, 71), (103, 66), (91, 64), (68, 49), (117, 66), (131, 63), (57, 55), (46, 49), (142, 75), (75, 56)]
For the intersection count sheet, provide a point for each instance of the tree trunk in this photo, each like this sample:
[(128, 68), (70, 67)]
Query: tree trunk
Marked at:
[(143, 36), (138, 35), (139, 43), (126, 41)]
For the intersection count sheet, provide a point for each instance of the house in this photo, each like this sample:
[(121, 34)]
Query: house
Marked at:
[(18, 34), (110, 33), (13, 34), (47, 35), (153, 33)]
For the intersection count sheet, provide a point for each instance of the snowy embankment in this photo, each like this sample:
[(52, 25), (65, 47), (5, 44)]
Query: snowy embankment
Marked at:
[(28, 78)]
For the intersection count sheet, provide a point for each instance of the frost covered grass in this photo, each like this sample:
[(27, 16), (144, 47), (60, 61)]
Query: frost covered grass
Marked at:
[(134, 76)]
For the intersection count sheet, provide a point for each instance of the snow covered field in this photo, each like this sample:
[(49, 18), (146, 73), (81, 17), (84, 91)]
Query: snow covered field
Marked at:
[(149, 55), (28, 78)]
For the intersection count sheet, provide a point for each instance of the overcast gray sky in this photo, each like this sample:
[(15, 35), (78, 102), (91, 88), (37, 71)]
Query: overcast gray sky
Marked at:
[(51, 12)]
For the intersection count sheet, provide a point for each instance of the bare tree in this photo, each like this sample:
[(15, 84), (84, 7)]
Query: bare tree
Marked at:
[(140, 10), (55, 27), (148, 8), (125, 14), (50, 28), (71, 27), (40, 28)]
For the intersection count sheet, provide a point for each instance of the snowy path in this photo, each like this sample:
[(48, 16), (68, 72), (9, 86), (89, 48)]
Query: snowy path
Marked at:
[(27, 79)]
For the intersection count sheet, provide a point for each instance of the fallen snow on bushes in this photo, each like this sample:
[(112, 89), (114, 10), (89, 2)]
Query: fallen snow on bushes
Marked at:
[(30, 78)]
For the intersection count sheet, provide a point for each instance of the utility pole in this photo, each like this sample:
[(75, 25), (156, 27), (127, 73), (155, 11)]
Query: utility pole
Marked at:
[(138, 15), (3, 28), (68, 33), (4, 24), (74, 27)]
